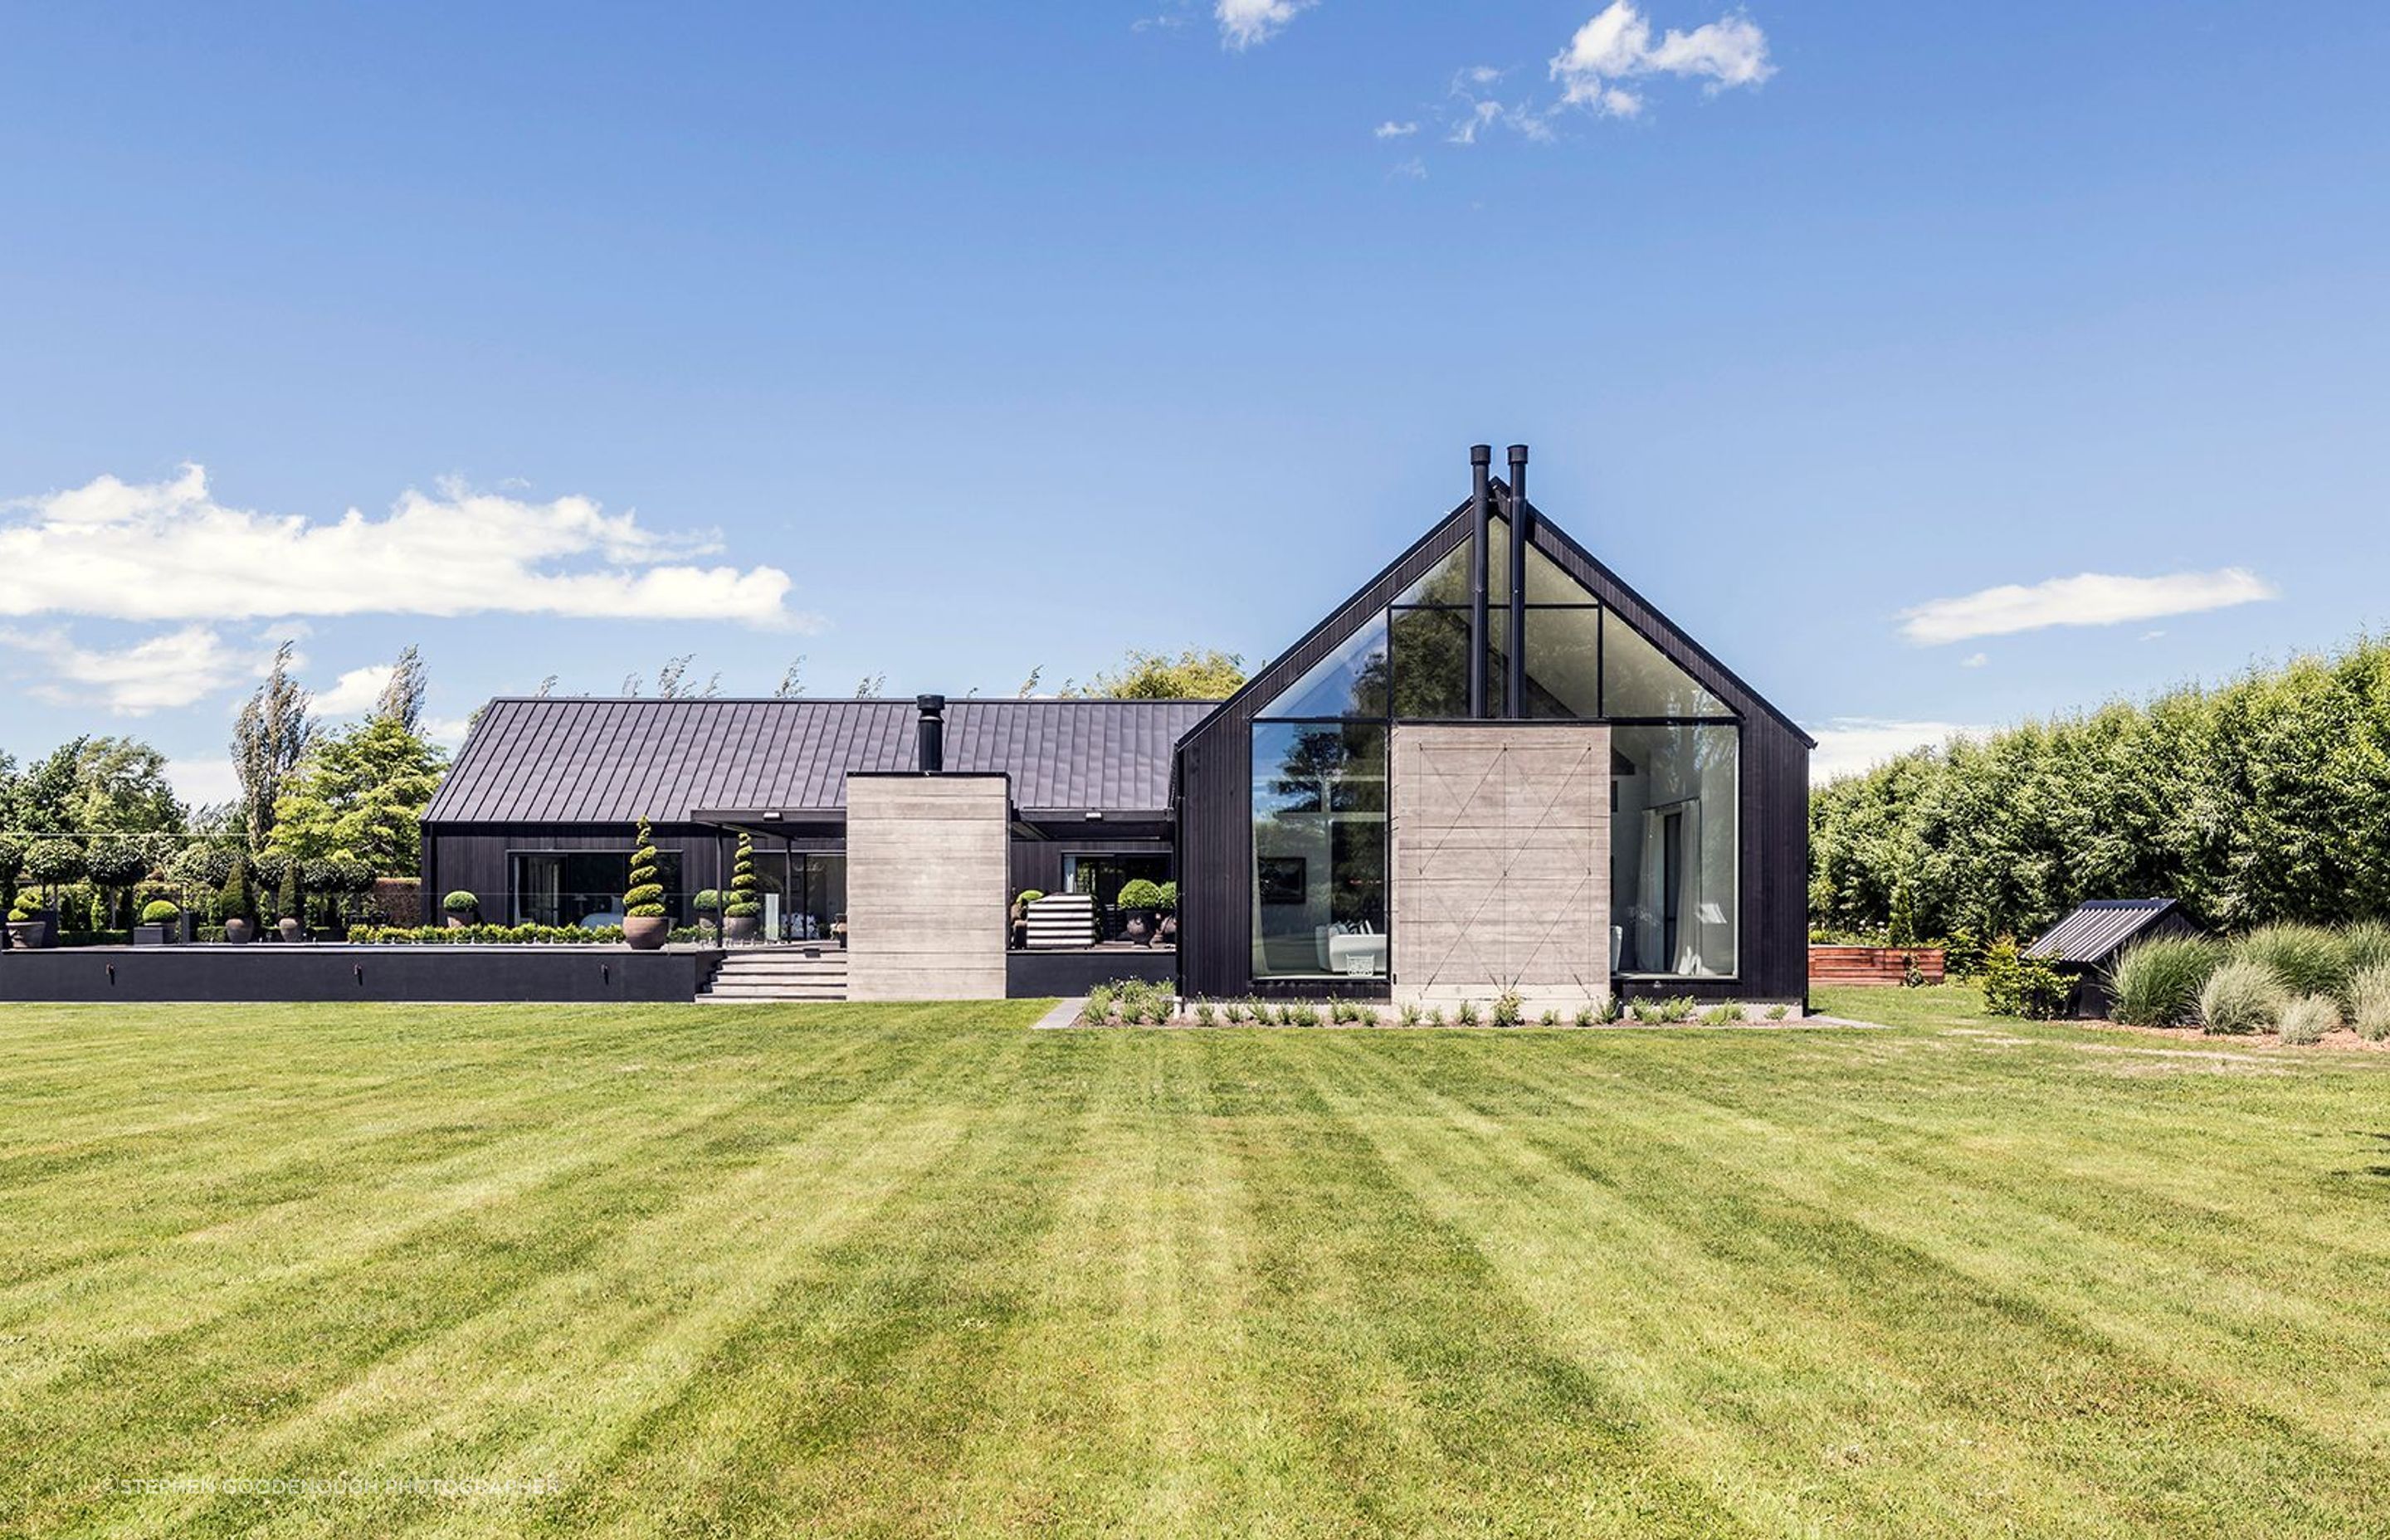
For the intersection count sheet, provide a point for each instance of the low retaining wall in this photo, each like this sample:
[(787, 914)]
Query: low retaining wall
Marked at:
[(1035, 975), (262, 973), (1872, 965)]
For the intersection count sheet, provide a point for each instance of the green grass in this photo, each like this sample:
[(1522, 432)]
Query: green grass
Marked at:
[(893, 1270)]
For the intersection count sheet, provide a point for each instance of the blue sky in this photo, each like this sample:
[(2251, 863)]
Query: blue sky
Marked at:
[(947, 341)]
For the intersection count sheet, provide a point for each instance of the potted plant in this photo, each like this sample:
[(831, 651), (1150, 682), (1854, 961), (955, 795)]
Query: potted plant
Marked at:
[(742, 917), (52, 864), (27, 926), (1139, 900), (161, 924), (645, 925), (460, 907), (708, 904), (1167, 927)]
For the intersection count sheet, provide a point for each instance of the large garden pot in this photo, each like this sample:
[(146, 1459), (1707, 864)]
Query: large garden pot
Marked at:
[(31, 934), (164, 934), (457, 921), (645, 933), (741, 927), (238, 932), (290, 928), (1168, 929)]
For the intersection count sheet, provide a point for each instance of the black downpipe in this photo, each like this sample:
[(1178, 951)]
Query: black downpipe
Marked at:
[(933, 733), (1480, 509), (1515, 687)]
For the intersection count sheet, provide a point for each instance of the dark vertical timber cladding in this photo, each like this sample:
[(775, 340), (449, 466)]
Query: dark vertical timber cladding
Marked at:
[(479, 859), (1215, 787)]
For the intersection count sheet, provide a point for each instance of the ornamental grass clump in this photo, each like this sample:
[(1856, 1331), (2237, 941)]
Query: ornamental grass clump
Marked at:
[(2368, 1002), (2303, 960), (2306, 1019), (2157, 984), (2365, 944), (2240, 996)]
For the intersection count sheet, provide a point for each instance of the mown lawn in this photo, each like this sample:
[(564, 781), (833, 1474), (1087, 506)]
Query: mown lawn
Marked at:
[(919, 1269)]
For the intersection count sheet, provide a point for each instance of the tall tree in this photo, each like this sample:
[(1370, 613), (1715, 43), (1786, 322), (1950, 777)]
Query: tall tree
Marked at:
[(1204, 674), (402, 698), (270, 737), (121, 788), (42, 801), (359, 795)]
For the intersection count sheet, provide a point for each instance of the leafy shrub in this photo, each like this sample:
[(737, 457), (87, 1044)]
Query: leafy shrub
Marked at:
[(1467, 1014), (706, 901), (460, 902), (2240, 996), (1510, 1009), (1204, 1014), (1435, 1016), (1722, 1016), (1962, 955), (1409, 1015), (1549, 1019), (1027, 896), (2305, 959), (1348, 1013), (2015, 984), (1652, 1013), (2157, 982), (1100, 1003), (2306, 1019), (1585, 1016), (160, 912), (746, 892), (1303, 1015), (1167, 898), (2368, 1002), (1139, 893), (1779, 1012), (643, 899)]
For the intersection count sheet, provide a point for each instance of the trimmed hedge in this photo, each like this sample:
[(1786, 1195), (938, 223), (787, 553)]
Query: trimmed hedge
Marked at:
[(485, 935)]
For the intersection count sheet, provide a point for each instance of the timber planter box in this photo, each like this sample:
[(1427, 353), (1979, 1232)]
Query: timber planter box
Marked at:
[(166, 934), (1872, 965)]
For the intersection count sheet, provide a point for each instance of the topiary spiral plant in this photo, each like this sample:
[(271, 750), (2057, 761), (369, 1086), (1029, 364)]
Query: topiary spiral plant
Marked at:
[(645, 900), (746, 893)]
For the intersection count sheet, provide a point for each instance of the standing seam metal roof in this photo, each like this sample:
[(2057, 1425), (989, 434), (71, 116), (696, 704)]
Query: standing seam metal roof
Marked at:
[(583, 760), (2097, 927)]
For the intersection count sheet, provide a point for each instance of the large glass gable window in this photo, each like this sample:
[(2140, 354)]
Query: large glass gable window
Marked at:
[(1319, 760)]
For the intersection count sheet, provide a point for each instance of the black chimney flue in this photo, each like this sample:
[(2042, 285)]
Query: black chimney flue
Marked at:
[(1514, 646), (1481, 507), (934, 732)]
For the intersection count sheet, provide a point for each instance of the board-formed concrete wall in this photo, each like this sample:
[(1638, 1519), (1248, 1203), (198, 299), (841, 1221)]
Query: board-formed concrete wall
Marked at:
[(926, 866), (1500, 849)]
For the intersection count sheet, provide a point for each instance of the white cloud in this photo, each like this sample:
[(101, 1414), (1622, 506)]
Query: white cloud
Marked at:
[(357, 691), (176, 668), (1246, 22), (1848, 745), (1392, 129), (1412, 170), (1976, 659), (1616, 45), (201, 782), (2088, 598), (168, 551), (446, 731)]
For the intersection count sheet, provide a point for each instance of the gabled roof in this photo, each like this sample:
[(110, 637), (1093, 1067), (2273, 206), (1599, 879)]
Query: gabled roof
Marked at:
[(583, 760), (2097, 927), (1452, 531)]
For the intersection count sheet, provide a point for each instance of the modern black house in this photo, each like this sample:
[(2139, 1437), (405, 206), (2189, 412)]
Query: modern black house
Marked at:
[(1494, 767)]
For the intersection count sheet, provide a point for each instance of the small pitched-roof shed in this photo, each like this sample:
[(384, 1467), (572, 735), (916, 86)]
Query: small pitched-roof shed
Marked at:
[(2088, 942)]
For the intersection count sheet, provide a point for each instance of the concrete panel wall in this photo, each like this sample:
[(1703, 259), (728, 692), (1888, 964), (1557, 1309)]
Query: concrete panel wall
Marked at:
[(1500, 847), (926, 867)]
